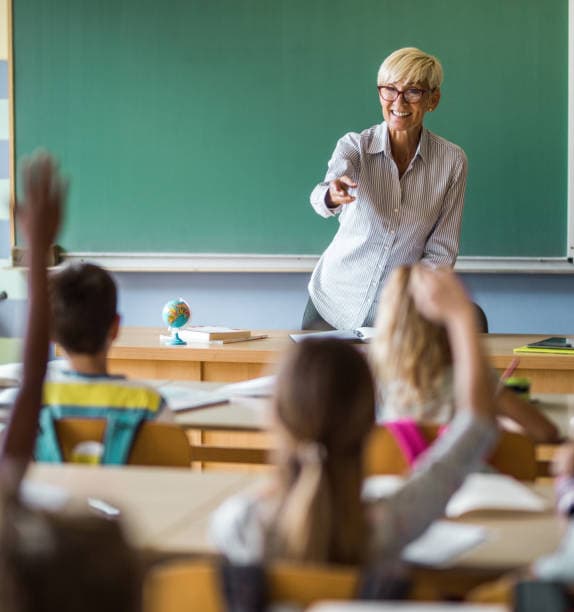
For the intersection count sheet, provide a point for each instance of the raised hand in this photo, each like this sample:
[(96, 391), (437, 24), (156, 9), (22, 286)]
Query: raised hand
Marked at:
[(438, 294), (41, 208), (39, 214)]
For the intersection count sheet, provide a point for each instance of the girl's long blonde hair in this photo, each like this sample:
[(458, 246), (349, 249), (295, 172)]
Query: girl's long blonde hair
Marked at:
[(324, 406), (410, 355)]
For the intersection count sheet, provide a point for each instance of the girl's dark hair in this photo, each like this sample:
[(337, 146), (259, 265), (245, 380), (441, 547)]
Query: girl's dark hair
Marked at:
[(67, 563), (325, 409)]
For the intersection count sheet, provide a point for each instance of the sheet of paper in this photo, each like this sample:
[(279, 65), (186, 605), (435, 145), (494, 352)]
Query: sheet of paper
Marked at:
[(43, 496), (255, 387), (338, 334), (182, 397), (493, 492), (478, 492), (442, 543)]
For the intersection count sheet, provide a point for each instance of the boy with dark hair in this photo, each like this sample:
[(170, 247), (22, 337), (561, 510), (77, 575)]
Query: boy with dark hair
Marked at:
[(84, 302), (85, 322)]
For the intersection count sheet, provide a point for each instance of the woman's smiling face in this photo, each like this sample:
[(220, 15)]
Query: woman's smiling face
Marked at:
[(403, 115)]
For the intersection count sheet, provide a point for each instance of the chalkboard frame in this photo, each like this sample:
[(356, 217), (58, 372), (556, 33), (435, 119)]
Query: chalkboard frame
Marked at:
[(242, 262)]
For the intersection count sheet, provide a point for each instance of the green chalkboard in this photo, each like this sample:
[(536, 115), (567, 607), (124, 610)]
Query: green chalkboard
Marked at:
[(202, 125)]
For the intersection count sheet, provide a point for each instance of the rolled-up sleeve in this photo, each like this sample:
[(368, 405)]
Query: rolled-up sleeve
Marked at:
[(343, 162)]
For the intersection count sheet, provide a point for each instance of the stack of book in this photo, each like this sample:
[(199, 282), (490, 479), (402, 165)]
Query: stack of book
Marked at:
[(205, 334), (557, 345)]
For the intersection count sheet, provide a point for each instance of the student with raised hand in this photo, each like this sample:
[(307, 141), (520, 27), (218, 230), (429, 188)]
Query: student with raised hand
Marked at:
[(311, 510), (39, 215), (47, 561), (412, 360)]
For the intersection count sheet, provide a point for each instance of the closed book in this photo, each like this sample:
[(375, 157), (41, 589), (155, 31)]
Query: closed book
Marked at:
[(540, 349), (205, 333)]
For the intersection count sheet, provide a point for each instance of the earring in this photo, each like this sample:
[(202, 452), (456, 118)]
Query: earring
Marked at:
[(430, 109)]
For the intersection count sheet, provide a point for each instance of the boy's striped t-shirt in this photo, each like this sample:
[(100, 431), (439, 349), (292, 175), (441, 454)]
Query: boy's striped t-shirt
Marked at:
[(124, 404), (71, 389)]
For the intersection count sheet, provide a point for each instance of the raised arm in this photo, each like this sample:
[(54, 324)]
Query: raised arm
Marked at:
[(529, 418), (440, 298), (39, 217)]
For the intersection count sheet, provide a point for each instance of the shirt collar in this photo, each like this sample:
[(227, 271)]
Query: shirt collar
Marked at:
[(380, 143)]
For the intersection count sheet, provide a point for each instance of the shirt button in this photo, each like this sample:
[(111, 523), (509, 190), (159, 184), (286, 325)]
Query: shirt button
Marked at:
[(392, 231), (396, 210)]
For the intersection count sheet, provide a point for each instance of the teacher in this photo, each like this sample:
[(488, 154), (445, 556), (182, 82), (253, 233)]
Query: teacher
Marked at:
[(398, 191)]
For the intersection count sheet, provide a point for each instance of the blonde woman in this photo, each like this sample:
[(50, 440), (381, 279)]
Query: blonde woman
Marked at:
[(311, 509), (398, 192), (412, 362)]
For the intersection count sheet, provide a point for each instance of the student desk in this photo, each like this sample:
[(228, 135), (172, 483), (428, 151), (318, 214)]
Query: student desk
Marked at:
[(236, 432), (139, 354), (157, 502), (168, 513)]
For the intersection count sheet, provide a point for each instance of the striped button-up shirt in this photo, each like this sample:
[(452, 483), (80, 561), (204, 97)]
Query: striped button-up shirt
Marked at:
[(393, 221)]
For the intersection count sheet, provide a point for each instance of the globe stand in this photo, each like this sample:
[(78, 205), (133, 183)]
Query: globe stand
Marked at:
[(176, 340)]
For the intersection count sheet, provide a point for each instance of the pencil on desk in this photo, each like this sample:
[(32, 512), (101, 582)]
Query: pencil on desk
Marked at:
[(507, 374), (260, 337)]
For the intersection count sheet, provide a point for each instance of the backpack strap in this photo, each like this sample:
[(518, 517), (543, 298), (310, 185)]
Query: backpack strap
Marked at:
[(121, 429)]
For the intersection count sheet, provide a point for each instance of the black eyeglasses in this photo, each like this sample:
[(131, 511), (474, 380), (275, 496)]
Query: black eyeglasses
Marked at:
[(410, 95)]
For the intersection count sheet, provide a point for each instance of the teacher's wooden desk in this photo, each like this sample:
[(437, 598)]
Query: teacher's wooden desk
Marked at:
[(139, 354)]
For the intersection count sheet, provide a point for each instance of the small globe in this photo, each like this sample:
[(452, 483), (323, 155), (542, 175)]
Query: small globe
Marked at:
[(176, 313)]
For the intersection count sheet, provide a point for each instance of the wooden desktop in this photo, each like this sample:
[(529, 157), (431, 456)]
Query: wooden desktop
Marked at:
[(167, 513), (138, 353)]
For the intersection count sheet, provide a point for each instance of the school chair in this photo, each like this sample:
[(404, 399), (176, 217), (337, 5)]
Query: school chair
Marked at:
[(155, 444), (196, 586), (514, 455), (183, 586), (210, 586), (535, 595), (481, 320)]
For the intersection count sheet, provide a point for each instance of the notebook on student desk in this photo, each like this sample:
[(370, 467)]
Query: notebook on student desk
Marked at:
[(561, 345), (361, 334)]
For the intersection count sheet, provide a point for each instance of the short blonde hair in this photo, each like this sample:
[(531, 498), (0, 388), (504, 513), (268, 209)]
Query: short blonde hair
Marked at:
[(412, 66)]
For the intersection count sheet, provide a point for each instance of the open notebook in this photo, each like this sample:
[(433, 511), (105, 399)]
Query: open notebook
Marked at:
[(478, 492), (444, 541), (361, 334)]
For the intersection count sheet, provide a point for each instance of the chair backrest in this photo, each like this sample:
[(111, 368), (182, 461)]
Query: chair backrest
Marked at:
[(305, 583), (183, 586), (535, 595), (514, 455), (194, 586), (155, 444)]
